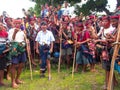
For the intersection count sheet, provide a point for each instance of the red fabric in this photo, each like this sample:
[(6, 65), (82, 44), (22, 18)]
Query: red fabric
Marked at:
[(85, 36), (3, 34), (115, 17)]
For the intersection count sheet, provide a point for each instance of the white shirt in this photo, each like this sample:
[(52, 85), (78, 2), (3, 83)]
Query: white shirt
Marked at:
[(104, 32), (10, 34), (45, 37), (66, 11), (20, 35)]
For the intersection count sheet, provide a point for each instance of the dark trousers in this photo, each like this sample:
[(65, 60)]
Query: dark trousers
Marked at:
[(44, 54)]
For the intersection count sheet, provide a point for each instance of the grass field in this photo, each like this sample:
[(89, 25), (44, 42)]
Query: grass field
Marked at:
[(63, 80)]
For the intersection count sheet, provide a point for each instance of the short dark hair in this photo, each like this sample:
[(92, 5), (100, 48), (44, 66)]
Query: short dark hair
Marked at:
[(43, 23)]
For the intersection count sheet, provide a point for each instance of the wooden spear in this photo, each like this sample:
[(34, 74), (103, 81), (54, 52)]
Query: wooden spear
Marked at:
[(73, 69), (60, 49), (28, 52)]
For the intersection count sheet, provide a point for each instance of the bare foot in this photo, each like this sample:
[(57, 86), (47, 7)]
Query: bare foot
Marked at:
[(33, 63), (93, 70), (49, 78), (14, 85), (19, 82)]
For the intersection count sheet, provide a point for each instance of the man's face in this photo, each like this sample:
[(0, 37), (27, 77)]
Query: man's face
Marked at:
[(9, 23), (44, 27), (17, 25), (78, 28), (114, 22), (106, 23)]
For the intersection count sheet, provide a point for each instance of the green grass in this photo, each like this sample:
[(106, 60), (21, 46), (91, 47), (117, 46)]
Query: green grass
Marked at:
[(63, 80)]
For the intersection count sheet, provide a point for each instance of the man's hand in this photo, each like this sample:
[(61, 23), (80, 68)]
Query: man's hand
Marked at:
[(16, 30), (51, 50)]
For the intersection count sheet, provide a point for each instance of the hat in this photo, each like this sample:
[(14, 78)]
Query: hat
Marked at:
[(17, 21), (43, 23), (92, 16), (6, 19), (105, 17), (88, 22), (114, 17), (79, 24)]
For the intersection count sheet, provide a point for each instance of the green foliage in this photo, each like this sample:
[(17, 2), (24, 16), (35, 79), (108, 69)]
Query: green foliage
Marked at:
[(37, 8), (91, 6)]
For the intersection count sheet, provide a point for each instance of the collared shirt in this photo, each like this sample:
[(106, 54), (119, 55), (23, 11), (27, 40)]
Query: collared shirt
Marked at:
[(45, 37)]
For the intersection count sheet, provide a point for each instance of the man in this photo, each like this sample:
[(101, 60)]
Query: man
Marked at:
[(113, 36), (59, 12), (44, 46), (32, 34), (103, 34), (82, 37), (9, 26), (18, 55), (3, 37), (66, 10), (66, 46)]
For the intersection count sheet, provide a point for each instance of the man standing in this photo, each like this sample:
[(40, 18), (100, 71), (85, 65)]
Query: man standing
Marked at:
[(3, 38), (44, 46), (103, 41), (17, 38)]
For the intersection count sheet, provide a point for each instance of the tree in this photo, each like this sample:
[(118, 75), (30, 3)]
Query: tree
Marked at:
[(92, 6), (87, 8), (51, 2), (118, 3)]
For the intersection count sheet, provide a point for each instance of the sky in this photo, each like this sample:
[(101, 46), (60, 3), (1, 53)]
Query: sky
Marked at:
[(14, 7)]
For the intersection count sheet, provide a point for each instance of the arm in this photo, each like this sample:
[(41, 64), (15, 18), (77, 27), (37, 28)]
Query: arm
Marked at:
[(66, 37), (14, 34), (37, 50), (51, 47)]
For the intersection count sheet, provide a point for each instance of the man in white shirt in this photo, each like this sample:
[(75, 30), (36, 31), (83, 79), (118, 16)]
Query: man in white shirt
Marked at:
[(66, 11), (44, 46), (106, 60), (18, 58)]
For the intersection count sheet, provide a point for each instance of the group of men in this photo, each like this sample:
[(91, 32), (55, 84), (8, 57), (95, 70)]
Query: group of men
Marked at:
[(93, 38)]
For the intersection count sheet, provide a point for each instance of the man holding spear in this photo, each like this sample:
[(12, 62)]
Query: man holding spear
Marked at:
[(114, 38), (17, 38)]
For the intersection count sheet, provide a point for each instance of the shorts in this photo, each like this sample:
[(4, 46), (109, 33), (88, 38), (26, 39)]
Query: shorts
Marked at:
[(106, 65), (67, 51), (3, 62), (21, 58), (81, 58)]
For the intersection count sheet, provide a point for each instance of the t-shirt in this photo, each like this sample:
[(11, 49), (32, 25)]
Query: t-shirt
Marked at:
[(104, 32), (20, 35)]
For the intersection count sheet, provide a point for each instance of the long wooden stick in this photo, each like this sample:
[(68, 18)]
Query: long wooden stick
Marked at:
[(60, 51), (28, 52), (75, 49), (115, 53)]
